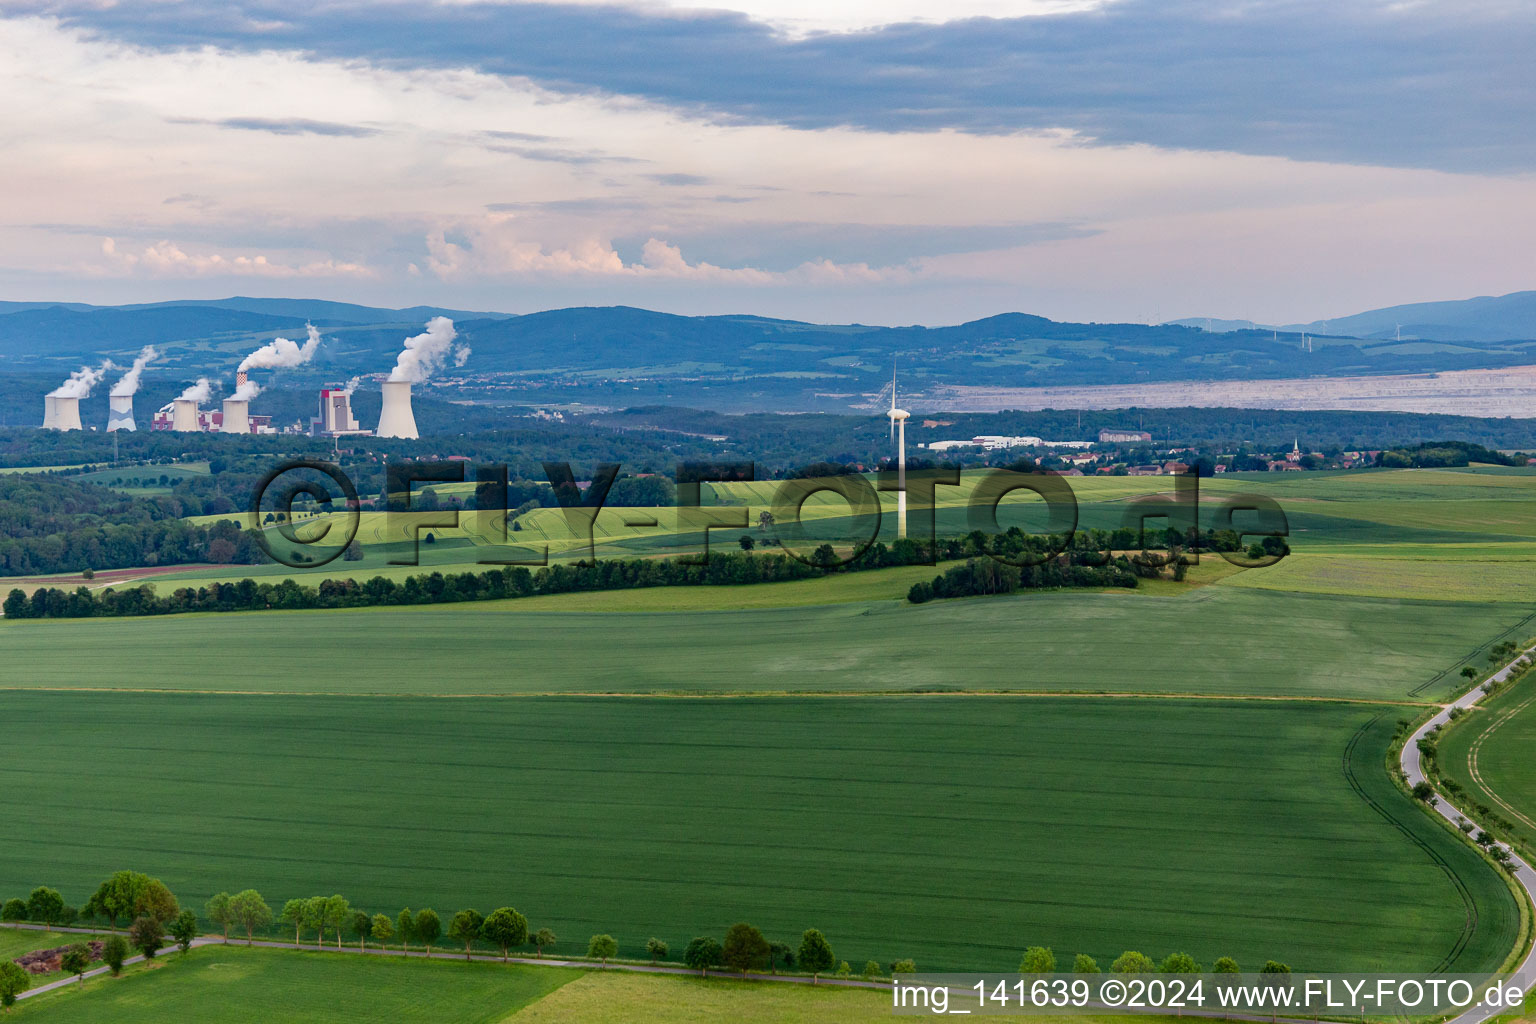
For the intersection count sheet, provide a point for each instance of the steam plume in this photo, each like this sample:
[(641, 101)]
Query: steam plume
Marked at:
[(246, 391), (81, 382), (282, 354), (429, 352), (128, 383), (199, 392)]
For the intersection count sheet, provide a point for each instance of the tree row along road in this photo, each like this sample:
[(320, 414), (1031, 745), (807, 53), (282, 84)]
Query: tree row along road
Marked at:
[(1413, 769)]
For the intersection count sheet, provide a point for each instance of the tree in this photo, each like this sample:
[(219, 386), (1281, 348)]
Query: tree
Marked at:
[(1084, 964), (904, 967), (383, 930), (844, 971), (815, 953), (184, 929), (505, 927), (656, 948), (1038, 960), (1425, 792), (1275, 967), (780, 953), (602, 947), (337, 912), (217, 910), (14, 910), (114, 951), (746, 542), (13, 982), (1225, 965), (361, 925), (744, 947), (314, 917), (45, 905), (1469, 672), (427, 928), (871, 969), (77, 960), (1180, 963), (130, 894), (295, 912), (1132, 962), (541, 938), (250, 912), (465, 927), (407, 927), (147, 936), (703, 953)]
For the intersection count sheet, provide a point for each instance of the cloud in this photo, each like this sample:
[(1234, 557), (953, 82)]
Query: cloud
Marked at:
[(167, 259), (1307, 79), (677, 179), (285, 126)]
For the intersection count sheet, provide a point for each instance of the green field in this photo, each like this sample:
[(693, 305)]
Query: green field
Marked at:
[(954, 830), (1211, 640), (1489, 753), (264, 986)]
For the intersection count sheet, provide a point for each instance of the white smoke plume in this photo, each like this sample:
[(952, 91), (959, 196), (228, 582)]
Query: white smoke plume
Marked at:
[(282, 354), (247, 391), (199, 392), (81, 382), (128, 383), (351, 385), (429, 352)]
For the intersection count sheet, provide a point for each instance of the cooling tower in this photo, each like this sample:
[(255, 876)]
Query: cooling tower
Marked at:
[(50, 413), (395, 418), (184, 415), (66, 413), (120, 413), (237, 416)]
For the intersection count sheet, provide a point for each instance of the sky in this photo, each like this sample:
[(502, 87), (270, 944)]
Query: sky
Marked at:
[(875, 162)]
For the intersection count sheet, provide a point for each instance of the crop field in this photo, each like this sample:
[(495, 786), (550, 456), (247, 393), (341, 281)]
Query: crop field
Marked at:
[(954, 830), (237, 985), (1490, 755), (1207, 640)]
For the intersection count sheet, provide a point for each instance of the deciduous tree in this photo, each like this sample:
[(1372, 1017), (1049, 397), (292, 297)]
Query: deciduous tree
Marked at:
[(361, 925), (1180, 963), (703, 953), (465, 927), (77, 960), (383, 930), (217, 910), (815, 953), (744, 947), (1225, 965), (13, 982), (45, 905), (406, 925), (542, 938), (505, 927), (114, 951), (1038, 960), (184, 929), (250, 912), (427, 928), (337, 911), (147, 936), (602, 947), (1084, 964), (656, 948), (1132, 962)]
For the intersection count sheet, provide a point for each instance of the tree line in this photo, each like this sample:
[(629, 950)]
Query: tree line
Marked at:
[(153, 914), (722, 569)]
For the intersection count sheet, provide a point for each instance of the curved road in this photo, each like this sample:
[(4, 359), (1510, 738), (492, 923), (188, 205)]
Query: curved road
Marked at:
[(1525, 974)]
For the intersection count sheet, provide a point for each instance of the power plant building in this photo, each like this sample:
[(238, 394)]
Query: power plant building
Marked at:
[(395, 416), (335, 417), (120, 413), (60, 413)]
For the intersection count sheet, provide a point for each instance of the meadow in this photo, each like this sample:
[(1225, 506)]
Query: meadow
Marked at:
[(1208, 640), (266, 986), (953, 830)]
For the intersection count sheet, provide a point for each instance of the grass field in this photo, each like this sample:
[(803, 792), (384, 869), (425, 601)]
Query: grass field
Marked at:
[(954, 830), (1211, 640), (264, 986)]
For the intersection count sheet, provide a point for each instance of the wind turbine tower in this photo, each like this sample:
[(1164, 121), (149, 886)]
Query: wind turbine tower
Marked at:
[(899, 435)]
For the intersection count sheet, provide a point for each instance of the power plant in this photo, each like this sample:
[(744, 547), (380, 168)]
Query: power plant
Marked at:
[(61, 413), (237, 416), (396, 418), (184, 416), (120, 413), (335, 419)]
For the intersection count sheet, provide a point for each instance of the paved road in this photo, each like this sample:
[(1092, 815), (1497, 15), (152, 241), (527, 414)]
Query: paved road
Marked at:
[(1525, 973)]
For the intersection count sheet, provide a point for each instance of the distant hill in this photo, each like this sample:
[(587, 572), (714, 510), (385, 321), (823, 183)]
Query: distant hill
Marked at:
[(1487, 318), (616, 356)]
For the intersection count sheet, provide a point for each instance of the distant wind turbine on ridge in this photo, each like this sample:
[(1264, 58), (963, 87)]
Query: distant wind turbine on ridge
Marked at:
[(899, 435)]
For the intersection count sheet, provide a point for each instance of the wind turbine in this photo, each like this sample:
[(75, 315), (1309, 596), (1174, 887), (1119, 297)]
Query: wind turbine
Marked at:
[(899, 435)]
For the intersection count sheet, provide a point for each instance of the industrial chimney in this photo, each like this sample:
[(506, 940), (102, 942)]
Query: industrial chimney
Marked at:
[(66, 413), (237, 416), (395, 418), (120, 413), (184, 416), (50, 413)]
